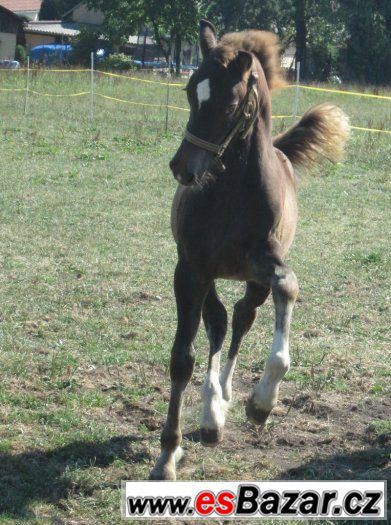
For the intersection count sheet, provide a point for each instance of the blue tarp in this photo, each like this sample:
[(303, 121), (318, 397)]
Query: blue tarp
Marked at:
[(57, 53), (50, 53)]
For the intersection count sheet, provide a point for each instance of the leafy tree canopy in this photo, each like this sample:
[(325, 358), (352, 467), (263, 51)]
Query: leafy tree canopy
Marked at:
[(54, 9), (347, 37)]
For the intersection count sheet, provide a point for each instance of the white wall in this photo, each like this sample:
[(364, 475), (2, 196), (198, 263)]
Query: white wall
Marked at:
[(7, 46), (83, 15)]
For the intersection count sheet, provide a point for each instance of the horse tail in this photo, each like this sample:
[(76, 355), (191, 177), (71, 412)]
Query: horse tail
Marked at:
[(320, 134)]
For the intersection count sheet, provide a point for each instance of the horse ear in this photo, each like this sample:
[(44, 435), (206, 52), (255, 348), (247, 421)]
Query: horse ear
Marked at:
[(244, 62), (208, 39)]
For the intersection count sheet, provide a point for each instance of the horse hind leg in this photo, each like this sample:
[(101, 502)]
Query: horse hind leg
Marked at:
[(213, 416), (243, 319), (265, 394)]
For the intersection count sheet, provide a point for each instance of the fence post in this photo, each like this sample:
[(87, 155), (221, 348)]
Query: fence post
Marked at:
[(27, 85), (168, 96), (92, 88), (296, 103)]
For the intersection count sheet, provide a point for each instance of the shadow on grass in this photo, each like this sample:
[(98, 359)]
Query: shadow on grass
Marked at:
[(369, 463), (38, 476)]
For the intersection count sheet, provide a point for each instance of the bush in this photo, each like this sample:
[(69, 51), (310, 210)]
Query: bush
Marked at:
[(118, 61), (20, 54)]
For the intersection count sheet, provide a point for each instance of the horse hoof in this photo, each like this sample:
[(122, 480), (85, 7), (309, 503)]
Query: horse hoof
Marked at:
[(162, 474), (255, 415), (210, 437)]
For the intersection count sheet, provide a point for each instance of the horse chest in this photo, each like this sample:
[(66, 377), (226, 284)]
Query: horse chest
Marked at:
[(220, 239)]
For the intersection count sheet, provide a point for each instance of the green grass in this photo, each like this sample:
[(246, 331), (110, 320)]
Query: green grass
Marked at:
[(87, 314)]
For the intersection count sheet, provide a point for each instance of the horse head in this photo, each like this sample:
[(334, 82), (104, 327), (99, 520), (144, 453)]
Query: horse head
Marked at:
[(224, 95)]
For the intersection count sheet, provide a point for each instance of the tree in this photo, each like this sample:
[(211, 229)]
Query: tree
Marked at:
[(368, 37), (301, 34), (171, 21), (54, 9), (349, 37), (88, 40), (269, 15)]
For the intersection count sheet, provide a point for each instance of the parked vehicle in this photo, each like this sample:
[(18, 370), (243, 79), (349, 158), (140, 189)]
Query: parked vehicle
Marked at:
[(9, 64)]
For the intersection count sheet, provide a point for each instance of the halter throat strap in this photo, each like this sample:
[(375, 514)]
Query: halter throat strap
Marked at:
[(241, 129)]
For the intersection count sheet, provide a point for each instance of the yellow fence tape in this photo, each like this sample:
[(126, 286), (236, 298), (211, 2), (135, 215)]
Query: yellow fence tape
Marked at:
[(163, 105), (141, 103), (40, 70), (340, 92), (175, 84), (372, 129), (57, 95), (178, 108)]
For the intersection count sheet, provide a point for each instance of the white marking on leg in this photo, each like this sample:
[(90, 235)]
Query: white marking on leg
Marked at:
[(212, 414), (266, 391), (226, 379), (166, 463), (203, 91)]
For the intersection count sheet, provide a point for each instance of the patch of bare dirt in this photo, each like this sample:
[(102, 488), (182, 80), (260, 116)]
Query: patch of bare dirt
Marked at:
[(309, 436)]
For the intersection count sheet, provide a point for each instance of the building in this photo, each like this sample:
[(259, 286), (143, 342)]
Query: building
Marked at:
[(82, 14), (11, 33), (44, 32), (41, 32), (28, 9), (141, 47), (288, 59)]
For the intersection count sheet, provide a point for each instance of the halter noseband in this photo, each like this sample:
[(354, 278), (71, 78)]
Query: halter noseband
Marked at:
[(248, 114)]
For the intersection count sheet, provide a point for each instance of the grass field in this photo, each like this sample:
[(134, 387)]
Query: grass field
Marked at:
[(87, 314)]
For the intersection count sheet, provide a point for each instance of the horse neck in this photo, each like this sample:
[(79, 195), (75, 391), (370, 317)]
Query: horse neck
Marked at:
[(261, 137), (251, 157)]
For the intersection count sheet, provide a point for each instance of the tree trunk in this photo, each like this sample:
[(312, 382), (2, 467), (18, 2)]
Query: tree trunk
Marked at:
[(177, 54), (301, 35), (144, 47)]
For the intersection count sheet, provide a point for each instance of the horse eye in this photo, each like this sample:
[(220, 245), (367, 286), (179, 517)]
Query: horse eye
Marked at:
[(231, 109)]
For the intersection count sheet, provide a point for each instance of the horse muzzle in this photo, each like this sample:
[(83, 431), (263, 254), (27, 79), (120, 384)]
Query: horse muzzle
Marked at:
[(189, 164)]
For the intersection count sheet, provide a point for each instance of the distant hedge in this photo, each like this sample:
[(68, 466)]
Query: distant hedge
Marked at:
[(118, 61)]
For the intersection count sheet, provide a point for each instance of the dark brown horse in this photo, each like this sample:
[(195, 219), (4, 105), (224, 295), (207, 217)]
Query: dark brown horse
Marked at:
[(234, 217)]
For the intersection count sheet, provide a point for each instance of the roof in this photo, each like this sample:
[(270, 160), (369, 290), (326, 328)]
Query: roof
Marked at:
[(53, 27), (3, 9), (22, 5), (73, 8)]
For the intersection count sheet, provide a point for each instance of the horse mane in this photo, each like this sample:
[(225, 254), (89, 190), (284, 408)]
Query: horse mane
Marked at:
[(263, 44)]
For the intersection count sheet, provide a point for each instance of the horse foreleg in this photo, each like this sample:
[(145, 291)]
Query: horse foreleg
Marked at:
[(264, 398), (189, 293), (213, 417)]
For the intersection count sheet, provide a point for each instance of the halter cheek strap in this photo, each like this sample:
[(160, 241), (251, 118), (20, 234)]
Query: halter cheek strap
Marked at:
[(241, 129)]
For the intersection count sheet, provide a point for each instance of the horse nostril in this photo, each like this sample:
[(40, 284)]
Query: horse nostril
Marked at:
[(185, 180)]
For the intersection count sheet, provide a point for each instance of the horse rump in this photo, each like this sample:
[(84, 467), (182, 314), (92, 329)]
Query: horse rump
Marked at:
[(320, 134)]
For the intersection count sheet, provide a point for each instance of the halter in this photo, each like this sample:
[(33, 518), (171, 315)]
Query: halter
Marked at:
[(249, 110)]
